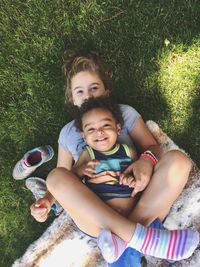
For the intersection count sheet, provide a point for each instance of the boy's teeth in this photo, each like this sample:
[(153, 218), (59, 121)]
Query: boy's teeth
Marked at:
[(99, 140)]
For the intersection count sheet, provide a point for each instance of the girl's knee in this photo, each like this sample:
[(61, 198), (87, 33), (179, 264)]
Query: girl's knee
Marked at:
[(177, 159), (174, 167), (55, 178)]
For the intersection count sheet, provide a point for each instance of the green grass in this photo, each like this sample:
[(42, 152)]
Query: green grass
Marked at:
[(153, 48)]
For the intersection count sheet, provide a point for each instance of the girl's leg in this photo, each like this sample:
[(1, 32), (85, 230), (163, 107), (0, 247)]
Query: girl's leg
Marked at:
[(170, 176), (92, 215), (88, 211)]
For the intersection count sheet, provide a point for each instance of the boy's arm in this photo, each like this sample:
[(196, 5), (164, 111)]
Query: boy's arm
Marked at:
[(79, 167)]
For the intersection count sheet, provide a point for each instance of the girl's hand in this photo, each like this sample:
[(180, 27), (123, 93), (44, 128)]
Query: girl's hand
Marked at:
[(40, 209), (142, 170), (128, 179)]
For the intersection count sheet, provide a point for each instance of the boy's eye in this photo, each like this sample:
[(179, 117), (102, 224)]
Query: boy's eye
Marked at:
[(90, 130), (106, 125), (94, 88)]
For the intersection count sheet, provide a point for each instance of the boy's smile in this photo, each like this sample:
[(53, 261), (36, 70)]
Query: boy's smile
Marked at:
[(100, 129)]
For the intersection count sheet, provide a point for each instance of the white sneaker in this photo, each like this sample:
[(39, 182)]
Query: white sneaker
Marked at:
[(31, 161)]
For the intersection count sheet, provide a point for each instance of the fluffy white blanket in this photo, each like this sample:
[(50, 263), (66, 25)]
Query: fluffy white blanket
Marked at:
[(63, 245)]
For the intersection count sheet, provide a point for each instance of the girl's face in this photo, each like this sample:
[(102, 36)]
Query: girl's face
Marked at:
[(100, 129), (86, 84)]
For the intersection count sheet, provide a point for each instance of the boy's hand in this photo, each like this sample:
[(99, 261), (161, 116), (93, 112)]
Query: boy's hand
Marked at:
[(40, 209), (89, 169), (86, 168), (103, 177), (141, 170)]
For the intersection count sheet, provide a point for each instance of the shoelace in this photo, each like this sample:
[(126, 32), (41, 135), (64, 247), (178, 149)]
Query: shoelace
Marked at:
[(21, 166)]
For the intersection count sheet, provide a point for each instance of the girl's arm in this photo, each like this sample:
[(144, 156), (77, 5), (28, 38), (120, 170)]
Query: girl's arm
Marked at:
[(128, 177), (65, 159), (138, 174), (143, 139), (142, 168), (133, 153)]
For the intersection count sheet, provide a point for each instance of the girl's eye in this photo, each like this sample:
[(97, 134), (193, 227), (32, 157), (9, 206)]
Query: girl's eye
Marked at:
[(79, 92)]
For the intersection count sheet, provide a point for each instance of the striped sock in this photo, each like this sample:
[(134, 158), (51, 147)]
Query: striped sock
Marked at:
[(165, 244)]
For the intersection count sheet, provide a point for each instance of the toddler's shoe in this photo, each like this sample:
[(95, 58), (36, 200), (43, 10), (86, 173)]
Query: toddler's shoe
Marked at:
[(31, 161), (38, 187)]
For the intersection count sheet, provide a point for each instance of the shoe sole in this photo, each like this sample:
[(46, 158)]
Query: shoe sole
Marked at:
[(32, 179)]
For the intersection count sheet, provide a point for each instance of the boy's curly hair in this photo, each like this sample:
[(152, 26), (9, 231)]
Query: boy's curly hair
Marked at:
[(102, 102), (84, 61)]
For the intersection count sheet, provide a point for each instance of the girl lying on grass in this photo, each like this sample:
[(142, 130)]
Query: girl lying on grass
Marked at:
[(87, 76)]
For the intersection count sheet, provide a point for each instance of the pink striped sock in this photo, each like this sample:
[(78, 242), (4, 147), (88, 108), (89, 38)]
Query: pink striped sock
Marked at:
[(165, 244)]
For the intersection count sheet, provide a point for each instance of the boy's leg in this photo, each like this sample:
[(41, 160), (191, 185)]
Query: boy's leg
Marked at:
[(170, 176)]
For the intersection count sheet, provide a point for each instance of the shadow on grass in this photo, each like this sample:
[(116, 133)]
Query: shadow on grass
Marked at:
[(179, 79)]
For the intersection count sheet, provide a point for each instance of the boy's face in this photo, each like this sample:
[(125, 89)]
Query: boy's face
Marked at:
[(100, 129), (86, 84)]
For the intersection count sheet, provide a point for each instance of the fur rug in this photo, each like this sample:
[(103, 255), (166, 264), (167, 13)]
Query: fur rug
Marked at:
[(63, 245)]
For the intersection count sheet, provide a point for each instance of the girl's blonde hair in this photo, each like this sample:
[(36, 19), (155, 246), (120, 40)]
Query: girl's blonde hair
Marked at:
[(76, 63)]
